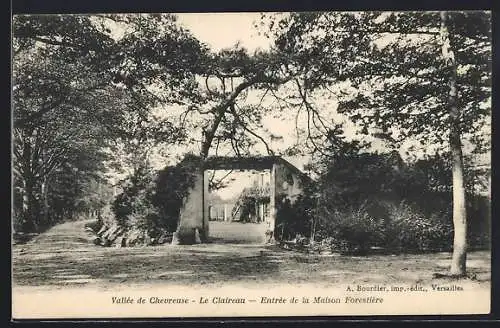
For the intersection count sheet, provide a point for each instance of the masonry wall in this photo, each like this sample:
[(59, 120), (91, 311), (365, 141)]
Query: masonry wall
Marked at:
[(287, 183), (191, 215)]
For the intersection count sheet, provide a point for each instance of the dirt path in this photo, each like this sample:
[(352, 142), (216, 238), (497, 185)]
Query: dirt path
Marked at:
[(237, 233), (61, 274), (64, 256)]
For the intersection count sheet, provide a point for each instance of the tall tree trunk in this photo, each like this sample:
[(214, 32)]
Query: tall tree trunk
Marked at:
[(458, 262), (313, 231), (45, 195), (28, 180), (29, 223)]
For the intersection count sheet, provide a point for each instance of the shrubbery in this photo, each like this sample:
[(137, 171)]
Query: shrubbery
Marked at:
[(136, 218), (294, 219), (410, 230), (479, 223), (148, 208), (171, 187), (368, 200), (360, 229), (399, 226), (352, 230), (134, 204)]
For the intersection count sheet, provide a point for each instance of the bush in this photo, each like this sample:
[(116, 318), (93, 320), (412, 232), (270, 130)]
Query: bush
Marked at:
[(171, 187), (479, 222), (384, 225), (132, 205), (134, 211), (352, 230), (410, 230), (296, 218), (413, 200)]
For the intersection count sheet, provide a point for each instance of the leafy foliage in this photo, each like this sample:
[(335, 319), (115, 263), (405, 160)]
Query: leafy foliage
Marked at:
[(351, 229), (150, 202), (135, 198), (403, 228), (402, 208), (394, 62), (171, 188), (247, 201), (297, 217), (411, 230), (401, 75), (79, 89)]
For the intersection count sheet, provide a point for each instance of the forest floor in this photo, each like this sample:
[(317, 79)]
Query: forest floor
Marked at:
[(64, 256)]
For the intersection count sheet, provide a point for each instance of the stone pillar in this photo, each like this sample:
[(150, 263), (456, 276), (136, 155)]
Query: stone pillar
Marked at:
[(191, 214), (225, 212)]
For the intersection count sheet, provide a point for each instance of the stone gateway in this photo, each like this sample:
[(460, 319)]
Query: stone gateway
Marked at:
[(286, 183)]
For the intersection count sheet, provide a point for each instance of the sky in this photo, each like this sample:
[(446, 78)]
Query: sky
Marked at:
[(223, 30)]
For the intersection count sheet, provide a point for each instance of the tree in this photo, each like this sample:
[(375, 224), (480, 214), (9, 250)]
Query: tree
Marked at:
[(411, 75), (221, 113), (77, 88)]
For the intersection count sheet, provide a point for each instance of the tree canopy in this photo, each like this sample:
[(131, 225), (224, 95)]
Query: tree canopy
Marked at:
[(80, 90)]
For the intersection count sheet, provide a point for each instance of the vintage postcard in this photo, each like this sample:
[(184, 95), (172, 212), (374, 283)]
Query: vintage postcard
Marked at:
[(251, 164)]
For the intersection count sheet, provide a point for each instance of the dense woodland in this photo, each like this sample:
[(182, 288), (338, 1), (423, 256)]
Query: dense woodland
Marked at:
[(87, 91)]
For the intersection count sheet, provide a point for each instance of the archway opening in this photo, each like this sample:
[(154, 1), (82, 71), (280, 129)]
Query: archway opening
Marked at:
[(238, 205)]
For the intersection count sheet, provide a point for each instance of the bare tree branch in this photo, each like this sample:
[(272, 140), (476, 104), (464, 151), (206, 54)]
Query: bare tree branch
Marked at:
[(245, 127)]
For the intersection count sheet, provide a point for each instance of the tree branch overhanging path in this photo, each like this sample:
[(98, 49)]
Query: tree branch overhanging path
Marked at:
[(228, 105)]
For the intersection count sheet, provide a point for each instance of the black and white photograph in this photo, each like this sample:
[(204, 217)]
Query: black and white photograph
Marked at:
[(251, 164)]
